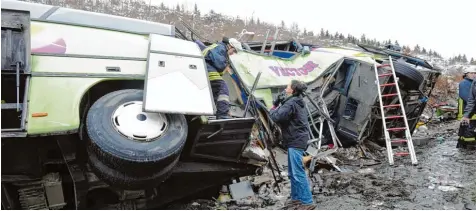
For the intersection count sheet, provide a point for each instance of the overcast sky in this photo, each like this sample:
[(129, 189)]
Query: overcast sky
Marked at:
[(448, 26)]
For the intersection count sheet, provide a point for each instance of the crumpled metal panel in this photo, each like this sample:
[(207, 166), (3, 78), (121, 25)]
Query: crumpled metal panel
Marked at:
[(278, 72)]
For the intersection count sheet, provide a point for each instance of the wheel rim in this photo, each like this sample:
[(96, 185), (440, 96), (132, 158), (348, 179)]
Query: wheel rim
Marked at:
[(130, 121)]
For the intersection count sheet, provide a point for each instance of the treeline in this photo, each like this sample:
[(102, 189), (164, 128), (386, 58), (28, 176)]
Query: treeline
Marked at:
[(461, 59), (213, 25), (421, 51)]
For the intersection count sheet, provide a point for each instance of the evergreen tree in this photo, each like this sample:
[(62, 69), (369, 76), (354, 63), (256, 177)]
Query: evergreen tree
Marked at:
[(304, 33), (363, 39), (472, 62), (295, 28), (327, 34), (195, 10), (396, 43), (336, 36), (162, 6), (464, 59), (452, 61), (407, 50), (322, 34), (283, 26), (423, 51), (416, 49), (252, 21), (177, 8)]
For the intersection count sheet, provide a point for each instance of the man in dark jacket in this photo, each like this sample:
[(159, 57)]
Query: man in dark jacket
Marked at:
[(292, 118), (467, 132), (465, 93), (464, 88), (217, 60), (470, 108)]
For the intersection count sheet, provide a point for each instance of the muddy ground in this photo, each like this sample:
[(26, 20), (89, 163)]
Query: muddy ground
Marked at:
[(445, 178)]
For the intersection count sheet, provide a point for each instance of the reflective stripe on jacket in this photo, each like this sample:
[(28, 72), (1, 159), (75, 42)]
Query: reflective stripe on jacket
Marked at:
[(216, 59), (461, 105)]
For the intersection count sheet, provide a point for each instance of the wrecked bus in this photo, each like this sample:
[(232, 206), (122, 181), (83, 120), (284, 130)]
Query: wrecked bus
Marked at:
[(102, 112), (341, 79), (107, 112)]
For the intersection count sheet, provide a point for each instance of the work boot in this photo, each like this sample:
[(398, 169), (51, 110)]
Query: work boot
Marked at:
[(291, 204), (306, 207)]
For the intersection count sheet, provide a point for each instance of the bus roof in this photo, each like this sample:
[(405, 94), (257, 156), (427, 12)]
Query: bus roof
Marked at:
[(48, 13)]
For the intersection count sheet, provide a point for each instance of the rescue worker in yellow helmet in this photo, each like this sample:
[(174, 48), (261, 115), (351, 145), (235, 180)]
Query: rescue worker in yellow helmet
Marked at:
[(217, 60)]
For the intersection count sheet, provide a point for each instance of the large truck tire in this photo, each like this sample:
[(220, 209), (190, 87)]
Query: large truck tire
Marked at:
[(126, 181), (409, 76), (126, 139)]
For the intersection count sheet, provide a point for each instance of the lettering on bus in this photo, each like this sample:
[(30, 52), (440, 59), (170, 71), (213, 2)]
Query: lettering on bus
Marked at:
[(287, 71)]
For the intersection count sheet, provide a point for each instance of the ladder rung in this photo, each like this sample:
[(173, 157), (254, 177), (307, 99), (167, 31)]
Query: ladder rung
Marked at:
[(401, 153), (396, 129), (10, 106), (383, 65), (385, 74), (391, 105), (389, 84), (399, 141), (390, 95), (393, 117)]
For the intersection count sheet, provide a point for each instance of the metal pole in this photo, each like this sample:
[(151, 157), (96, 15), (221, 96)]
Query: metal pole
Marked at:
[(251, 93), (18, 85), (264, 43), (273, 43), (261, 128)]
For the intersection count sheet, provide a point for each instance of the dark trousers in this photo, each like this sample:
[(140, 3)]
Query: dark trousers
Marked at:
[(221, 97), (467, 135)]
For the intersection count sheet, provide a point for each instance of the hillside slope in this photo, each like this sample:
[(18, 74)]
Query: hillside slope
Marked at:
[(213, 26)]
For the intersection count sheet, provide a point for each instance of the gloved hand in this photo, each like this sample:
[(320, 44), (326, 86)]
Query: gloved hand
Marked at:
[(465, 121), (281, 97)]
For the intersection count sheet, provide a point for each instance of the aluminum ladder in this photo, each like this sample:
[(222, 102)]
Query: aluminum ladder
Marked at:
[(403, 117), (273, 42)]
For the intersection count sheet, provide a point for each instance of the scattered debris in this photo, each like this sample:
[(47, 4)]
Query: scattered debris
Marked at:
[(241, 190), (447, 188), (224, 195), (444, 178)]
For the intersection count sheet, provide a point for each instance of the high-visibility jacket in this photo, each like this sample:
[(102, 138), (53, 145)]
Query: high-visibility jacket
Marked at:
[(216, 59), (464, 91), (461, 105)]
